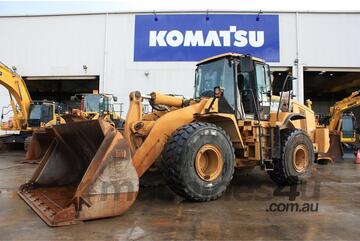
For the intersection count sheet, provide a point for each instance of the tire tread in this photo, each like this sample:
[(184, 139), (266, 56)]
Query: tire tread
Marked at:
[(171, 165)]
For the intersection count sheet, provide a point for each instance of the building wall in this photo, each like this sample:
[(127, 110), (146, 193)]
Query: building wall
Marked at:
[(61, 45)]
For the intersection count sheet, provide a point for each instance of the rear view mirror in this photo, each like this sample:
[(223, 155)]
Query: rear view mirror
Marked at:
[(115, 98)]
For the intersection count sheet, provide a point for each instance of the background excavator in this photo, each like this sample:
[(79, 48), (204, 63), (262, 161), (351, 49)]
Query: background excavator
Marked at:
[(342, 126), (26, 113), (31, 118), (91, 170)]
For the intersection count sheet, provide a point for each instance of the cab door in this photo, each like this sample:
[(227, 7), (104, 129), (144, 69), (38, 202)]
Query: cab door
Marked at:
[(263, 89), (48, 115), (254, 89)]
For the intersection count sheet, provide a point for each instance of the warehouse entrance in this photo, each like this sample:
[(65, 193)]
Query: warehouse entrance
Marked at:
[(279, 75), (326, 86), (61, 88)]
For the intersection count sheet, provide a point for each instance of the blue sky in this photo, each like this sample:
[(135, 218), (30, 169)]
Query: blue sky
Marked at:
[(54, 7), (51, 7)]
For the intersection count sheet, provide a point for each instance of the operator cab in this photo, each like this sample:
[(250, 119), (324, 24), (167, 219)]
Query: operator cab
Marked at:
[(245, 81), (347, 127), (95, 103), (41, 113)]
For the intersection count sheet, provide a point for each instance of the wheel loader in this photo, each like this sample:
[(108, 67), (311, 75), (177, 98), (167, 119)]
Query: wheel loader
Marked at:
[(91, 170), (94, 106)]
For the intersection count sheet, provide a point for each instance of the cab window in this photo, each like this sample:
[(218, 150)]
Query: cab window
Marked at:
[(217, 73)]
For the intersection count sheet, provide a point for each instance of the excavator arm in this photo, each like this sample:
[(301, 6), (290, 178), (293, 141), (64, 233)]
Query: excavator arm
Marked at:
[(340, 107), (19, 95), (336, 138)]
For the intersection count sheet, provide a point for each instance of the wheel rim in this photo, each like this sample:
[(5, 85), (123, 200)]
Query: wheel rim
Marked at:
[(300, 158), (209, 162)]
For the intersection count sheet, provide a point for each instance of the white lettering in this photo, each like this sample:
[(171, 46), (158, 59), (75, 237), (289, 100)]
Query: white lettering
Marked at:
[(232, 29), (194, 39), (240, 38), (256, 38), (174, 38), (226, 37), (212, 38), (157, 38)]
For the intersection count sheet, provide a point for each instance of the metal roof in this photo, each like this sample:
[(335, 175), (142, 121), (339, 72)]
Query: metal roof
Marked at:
[(196, 11)]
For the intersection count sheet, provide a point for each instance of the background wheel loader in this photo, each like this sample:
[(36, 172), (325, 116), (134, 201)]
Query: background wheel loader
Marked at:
[(94, 106), (91, 170)]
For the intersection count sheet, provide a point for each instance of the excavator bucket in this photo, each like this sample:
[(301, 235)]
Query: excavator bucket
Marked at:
[(86, 173), (335, 151)]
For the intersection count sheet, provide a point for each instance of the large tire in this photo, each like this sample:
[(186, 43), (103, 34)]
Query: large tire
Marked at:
[(297, 158), (198, 161)]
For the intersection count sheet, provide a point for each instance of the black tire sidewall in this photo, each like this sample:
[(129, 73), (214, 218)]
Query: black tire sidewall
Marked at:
[(299, 138), (196, 185)]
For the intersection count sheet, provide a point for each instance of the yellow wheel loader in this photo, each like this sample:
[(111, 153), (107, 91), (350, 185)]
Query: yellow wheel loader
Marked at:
[(92, 171), (94, 106)]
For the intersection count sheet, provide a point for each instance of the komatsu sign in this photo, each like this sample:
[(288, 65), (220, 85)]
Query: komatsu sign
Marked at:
[(175, 38), (192, 37)]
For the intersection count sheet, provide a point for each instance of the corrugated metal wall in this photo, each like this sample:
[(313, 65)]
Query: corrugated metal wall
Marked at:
[(61, 45)]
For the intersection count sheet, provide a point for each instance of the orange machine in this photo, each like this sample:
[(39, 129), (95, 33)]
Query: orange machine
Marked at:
[(91, 170)]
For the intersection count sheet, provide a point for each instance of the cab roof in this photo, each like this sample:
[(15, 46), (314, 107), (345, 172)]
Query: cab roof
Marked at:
[(220, 56)]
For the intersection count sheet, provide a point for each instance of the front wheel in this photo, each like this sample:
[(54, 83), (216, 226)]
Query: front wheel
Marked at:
[(297, 158), (198, 161)]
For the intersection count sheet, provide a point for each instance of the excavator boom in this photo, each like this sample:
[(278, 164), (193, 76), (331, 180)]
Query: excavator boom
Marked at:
[(342, 106), (17, 90), (336, 112)]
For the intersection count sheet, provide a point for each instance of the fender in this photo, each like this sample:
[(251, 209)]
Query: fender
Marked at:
[(226, 122), (292, 117)]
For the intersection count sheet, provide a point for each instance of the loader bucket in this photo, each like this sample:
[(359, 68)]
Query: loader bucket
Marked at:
[(41, 139), (86, 173), (70, 118), (38, 145)]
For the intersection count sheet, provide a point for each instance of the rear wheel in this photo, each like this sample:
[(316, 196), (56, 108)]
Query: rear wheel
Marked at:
[(297, 158), (198, 161)]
